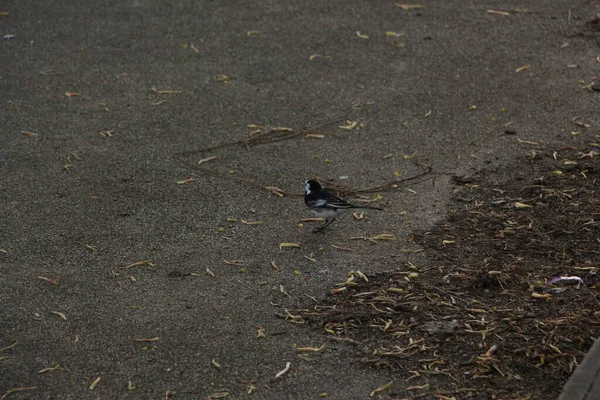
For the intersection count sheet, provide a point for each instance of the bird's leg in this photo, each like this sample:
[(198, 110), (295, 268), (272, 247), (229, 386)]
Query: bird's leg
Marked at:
[(325, 225)]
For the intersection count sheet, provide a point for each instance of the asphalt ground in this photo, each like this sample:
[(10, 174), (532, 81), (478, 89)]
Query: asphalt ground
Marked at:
[(89, 173)]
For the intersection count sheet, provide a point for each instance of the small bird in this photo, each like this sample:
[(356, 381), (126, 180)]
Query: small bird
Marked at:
[(325, 205)]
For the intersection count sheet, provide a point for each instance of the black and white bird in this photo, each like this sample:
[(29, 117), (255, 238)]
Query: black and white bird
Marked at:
[(325, 205)]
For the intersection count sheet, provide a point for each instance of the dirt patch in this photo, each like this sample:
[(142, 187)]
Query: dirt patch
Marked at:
[(493, 313)]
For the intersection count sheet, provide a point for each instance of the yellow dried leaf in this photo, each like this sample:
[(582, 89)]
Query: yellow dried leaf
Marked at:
[(71, 94), (168, 91), (315, 136), (523, 68), (41, 371), (392, 34), (207, 159), (275, 190), (384, 236), (541, 295), (60, 314), (185, 181), (238, 263), (445, 242), (409, 7), (358, 216), (381, 388), (498, 12), (309, 349), (408, 157), (522, 205), (342, 248), (253, 222), (287, 244), (147, 340), (95, 383), (282, 290), (527, 142), (282, 129), (360, 35), (313, 56), (254, 32), (349, 125), (215, 364), (209, 272)]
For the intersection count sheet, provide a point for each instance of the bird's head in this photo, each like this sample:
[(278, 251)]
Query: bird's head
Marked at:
[(311, 186)]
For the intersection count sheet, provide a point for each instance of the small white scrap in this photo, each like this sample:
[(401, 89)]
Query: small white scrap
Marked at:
[(283, 371)]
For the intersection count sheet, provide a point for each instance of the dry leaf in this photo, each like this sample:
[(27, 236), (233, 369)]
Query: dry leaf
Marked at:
[(349, 125), (154, 339), (409, 6), (313, 56), (360, 35), (392, 34), (207, 159), (71, 94), (341, 248), (384, 236), (60, 314), (522, 205), (252, 222), (309, 349), (527, 142), (282, 290), (541, 295), (498, 12), (381, 388), (51, 281), (95, 383), (41, 371), (237, 263), (315, 136), (185, 181), (155, 90), (255, 32), (282, 245), (283, 371), (523, 68)]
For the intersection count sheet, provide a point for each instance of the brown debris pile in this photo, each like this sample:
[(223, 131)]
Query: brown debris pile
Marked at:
[(509, 303)]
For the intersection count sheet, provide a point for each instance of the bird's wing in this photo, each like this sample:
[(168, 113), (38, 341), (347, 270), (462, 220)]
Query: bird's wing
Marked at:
[(317, 203), (337, 203)]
